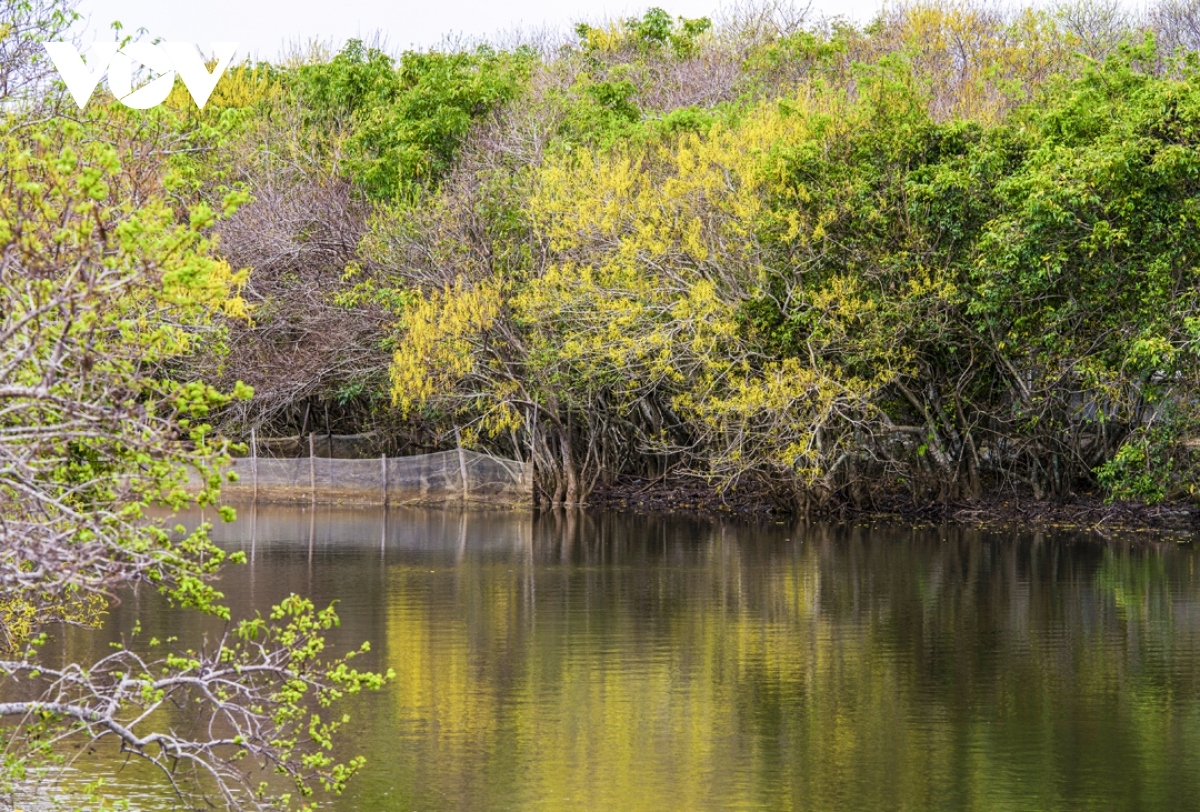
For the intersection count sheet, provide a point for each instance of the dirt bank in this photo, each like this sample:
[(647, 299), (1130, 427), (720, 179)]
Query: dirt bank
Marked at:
[(1085, 511)]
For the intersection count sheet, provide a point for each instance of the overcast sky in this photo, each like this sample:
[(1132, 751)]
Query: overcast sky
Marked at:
[(263, 28)]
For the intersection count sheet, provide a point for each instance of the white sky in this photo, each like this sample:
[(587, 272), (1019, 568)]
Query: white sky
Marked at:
[(263, 28)]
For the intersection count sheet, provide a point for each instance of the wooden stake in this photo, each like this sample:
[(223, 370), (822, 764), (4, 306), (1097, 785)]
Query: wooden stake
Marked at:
[(312, 465), (328, 434), (462, 463), (254, 461)]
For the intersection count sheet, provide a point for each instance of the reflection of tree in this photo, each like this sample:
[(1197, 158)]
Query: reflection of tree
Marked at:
[(859, 669), (667, 663)]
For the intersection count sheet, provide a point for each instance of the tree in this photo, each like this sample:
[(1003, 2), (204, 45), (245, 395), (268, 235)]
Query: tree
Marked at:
[(106, 281), (24, 26)]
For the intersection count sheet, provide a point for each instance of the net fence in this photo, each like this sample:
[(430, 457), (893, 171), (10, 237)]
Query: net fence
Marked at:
[(446, 476)]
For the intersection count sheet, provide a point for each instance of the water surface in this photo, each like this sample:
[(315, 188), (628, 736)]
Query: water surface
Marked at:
[(616, 662)]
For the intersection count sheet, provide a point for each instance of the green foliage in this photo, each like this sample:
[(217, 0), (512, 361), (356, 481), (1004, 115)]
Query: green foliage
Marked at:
[(109, 280), (653, 31), (406, 121), (1135, 472), (598, 112), (832, 289), (656, 29), (352, 81), (801, 47)]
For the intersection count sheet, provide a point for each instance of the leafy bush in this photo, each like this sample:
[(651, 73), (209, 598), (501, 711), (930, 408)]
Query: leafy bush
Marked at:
[(406, 121)]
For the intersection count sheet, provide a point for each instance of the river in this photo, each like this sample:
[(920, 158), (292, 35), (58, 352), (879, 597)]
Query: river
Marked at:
[(600, 661)]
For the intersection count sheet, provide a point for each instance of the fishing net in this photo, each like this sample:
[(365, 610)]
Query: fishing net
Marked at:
[(447, 476)]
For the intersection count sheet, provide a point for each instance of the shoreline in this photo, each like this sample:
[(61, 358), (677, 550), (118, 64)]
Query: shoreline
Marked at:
[(1087, 511)]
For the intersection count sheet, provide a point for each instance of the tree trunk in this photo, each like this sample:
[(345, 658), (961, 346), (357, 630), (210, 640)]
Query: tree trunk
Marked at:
[(570, 475)]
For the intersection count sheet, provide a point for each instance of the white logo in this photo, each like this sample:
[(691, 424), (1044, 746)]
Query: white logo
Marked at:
[(165, 59)]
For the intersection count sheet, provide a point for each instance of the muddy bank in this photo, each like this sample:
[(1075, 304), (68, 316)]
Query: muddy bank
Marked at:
[(1084, 511), (681, 495)]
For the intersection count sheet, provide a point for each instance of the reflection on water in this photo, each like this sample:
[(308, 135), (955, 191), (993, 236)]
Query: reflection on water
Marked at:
[(613, 662)]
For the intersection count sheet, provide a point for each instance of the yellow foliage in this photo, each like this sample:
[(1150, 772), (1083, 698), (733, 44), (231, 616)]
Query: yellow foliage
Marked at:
[(18, 620), (790, 415), (690, 196), (654, 248), (441, 342), (22, 615), (607, 39), (240, 86), (235, 305)]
